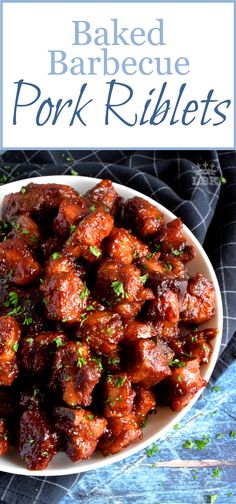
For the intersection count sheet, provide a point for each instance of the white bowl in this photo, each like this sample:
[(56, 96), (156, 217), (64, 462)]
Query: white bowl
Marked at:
[(158, 425)]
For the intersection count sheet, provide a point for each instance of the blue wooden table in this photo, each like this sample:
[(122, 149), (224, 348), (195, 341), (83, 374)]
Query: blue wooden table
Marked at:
[(179, 472)]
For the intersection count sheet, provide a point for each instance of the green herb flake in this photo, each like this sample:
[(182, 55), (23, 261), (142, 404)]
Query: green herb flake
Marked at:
[(216, 472), (177, 362), (223, 180), (58, 341), (230, 494), (150, 255), (168, 265), (30, 340), (144, 278), (56, 255), (5, 437), (94, 250), (98, 361), (15, 347), (45, 453), (13, 296), (113, 361), (72, 228), (176, 426), (119, 381), (176, 252), (74, 172), (232, 434), (90, 308), (92, 208), (84, 293), (23, 190), (216, 388), (201, 443), (83, 317), (157, 248), (27, 321), (219, 436), (90, 417), (25, 231), (144, 423), (152, 451), (109, 331), (81, 362), (188, 444), (118, 288), (212, 498)]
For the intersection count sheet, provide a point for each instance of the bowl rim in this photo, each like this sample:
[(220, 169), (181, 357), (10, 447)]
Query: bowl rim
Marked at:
[(93, 464)]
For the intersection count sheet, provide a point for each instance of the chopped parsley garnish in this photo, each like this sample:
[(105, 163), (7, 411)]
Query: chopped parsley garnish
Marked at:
[(119, 381), (13, 297), (5, 437), (92, 208), (212, 498), (90, 417), (223, 180), (90, 308), (201, 443), (152, 451), (27, 321), (216, 472), (150, 255), (29, 340), (135, 254), (176, 252), (176, 426), (45, 453), (188, 444), (94, 250), (216, 388), (74, 172), (232, 434), (168, 265), (72, 228), (84, 293), (194, 338), (83, 317), (157, 248), (58, 341), (56, 255), (118, 288), (144, 278), (177, 362), (15, 347), (98, 361), (81, 362), (65, 319), (25, 231), (113, 361), (23, 190), (219, 436), (109, 331)]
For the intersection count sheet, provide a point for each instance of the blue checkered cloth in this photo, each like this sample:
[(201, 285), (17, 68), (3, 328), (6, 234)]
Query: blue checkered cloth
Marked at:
[(199, 187)]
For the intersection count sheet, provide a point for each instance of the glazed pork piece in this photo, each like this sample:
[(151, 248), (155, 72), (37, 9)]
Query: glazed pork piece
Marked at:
[(102, 331), (81, 430), (63, 290), (17, 262), (145, 219), (38, 441), (99, 320), (9, 341), (88, 236), (121, 287), (37, 200), (75, 373)]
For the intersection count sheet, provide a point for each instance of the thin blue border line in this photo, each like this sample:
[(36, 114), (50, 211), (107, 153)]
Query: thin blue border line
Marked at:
[(115, 1)]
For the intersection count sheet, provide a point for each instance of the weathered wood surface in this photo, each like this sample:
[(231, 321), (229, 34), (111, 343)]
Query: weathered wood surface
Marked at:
[(180, 475)]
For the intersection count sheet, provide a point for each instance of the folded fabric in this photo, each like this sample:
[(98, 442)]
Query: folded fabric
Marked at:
[(199, 187)]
